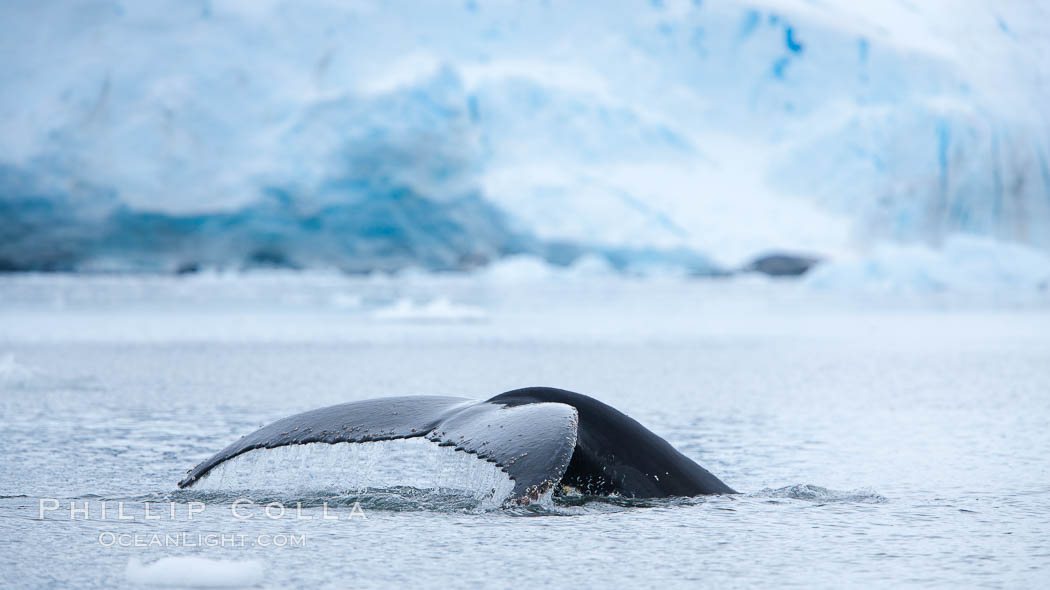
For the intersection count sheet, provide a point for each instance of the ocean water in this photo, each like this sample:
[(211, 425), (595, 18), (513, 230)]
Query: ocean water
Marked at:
[(876, 441)]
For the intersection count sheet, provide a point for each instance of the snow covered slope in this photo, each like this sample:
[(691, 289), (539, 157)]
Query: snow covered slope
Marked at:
[(378, 135)]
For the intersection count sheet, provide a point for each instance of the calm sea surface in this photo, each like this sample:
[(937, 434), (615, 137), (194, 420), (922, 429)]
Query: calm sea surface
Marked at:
[(899, 444)]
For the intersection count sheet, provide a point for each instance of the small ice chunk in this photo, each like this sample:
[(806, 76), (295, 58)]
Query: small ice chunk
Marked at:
[(14, 374), (437, 310), (196, 572), (521, 268)]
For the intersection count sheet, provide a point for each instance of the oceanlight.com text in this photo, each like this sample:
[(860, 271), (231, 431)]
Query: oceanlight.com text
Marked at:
[(187, 539)]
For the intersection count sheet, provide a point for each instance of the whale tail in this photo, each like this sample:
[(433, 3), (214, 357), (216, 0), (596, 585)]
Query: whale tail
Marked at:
[(532, 444), (539, 436)]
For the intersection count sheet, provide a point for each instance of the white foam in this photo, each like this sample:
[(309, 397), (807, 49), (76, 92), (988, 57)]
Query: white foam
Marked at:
[(196, 572)]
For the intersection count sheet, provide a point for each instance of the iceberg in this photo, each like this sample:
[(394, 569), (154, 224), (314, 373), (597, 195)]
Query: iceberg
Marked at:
[(964, 264), (374, 136)]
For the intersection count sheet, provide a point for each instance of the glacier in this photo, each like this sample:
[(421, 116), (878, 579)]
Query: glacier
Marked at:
[(365, 136)]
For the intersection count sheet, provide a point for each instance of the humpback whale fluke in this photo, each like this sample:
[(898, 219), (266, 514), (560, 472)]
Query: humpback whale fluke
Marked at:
[(540, 436)]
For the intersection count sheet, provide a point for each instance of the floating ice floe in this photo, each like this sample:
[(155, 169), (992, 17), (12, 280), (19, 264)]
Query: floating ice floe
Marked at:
[(195, 572), (440, 309)]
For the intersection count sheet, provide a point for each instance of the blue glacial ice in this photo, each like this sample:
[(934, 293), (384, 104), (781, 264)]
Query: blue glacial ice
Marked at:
[(179, 135)]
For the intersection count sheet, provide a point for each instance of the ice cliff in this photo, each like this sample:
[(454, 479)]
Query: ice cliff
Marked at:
[(378, 135)]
